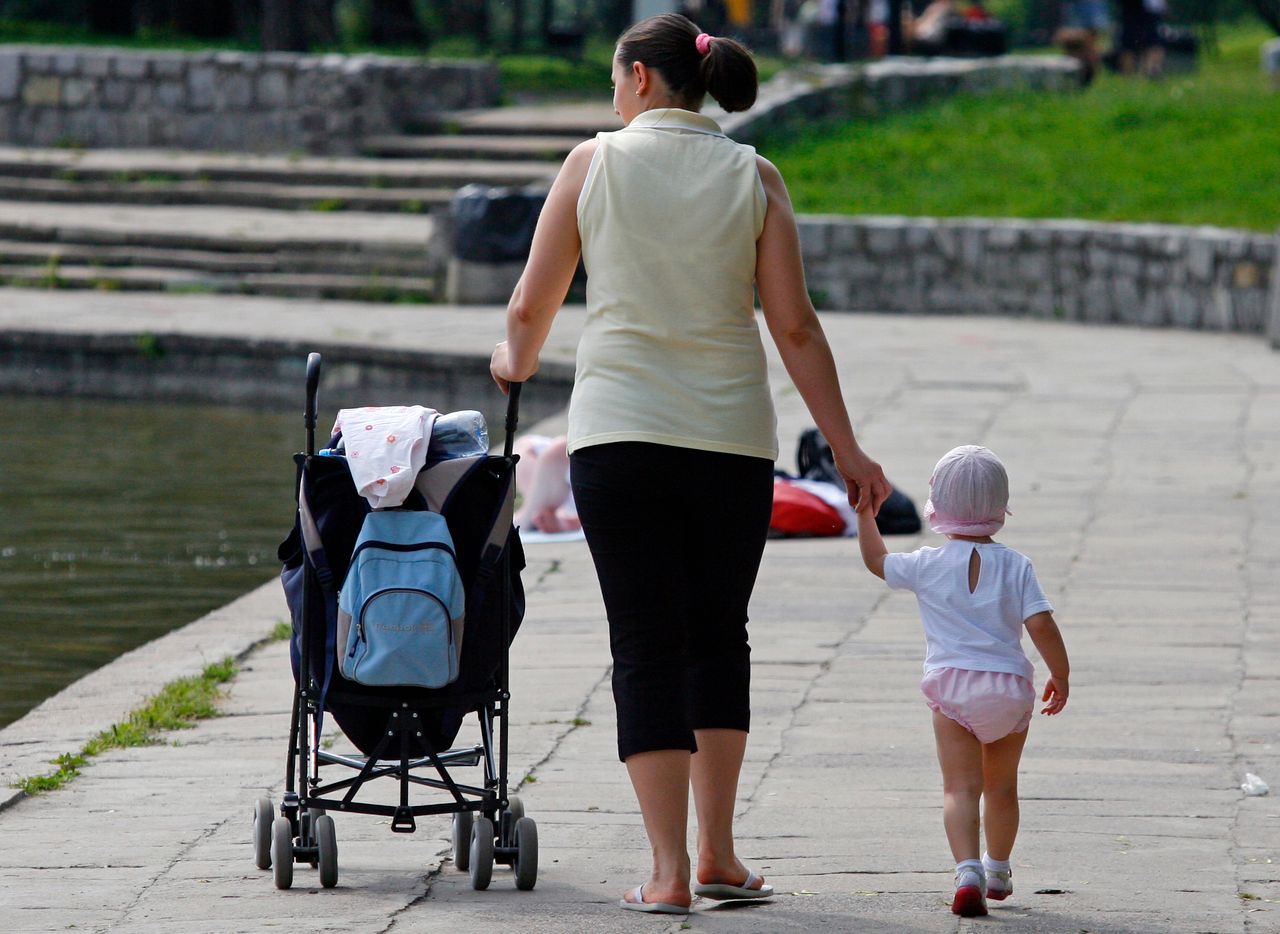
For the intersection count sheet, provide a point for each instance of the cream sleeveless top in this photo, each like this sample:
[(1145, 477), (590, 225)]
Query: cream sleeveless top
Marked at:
[(669, 214)]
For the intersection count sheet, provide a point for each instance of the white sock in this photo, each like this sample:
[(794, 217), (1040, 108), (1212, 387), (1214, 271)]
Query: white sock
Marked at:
[(999, 865), (970, 867)]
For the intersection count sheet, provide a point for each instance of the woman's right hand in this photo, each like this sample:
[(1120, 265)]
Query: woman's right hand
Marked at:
[(500, 368), (864, 479)]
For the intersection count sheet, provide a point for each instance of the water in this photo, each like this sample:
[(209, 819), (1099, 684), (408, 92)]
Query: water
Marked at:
[(122, 521)]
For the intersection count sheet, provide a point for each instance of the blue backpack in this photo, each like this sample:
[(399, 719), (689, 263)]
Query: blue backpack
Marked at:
[(401, 608)]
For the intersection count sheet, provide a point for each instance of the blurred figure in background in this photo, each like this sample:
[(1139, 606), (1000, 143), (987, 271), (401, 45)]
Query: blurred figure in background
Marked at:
[(1085, 22)]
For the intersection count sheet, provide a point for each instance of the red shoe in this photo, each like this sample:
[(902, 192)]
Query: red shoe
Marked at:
[(999, 885), (969, 901)]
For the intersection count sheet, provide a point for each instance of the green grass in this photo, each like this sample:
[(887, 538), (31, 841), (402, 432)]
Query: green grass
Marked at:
[(1195, 149), (179, 705), (328, 205), (35, 32)]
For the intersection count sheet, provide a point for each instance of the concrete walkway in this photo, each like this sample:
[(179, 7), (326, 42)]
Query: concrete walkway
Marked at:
[(1143, 465)]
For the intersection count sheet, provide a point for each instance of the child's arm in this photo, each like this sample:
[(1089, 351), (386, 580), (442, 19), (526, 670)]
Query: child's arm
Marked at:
[(870, 542), (1048, 641)]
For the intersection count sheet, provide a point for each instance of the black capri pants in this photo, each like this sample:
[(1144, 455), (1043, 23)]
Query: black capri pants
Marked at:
[(676, 535)]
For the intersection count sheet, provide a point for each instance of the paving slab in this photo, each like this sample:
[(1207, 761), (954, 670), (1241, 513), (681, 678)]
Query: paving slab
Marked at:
[(1142, 467)]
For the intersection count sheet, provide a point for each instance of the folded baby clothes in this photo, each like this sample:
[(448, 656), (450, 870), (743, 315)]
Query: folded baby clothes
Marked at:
[(386, 446)]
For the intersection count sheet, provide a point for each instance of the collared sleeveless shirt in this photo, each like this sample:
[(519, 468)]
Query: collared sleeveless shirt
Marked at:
[(669, 215)]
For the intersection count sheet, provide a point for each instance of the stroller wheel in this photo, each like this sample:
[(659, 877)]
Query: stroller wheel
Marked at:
[(307, 829), (481, 853), (327, 841), (526, 865), (513, 813), (462, 822), (282, 852), (263, 814)]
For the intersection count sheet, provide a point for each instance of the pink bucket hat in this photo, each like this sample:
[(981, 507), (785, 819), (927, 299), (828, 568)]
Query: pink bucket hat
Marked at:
[(968, 493)]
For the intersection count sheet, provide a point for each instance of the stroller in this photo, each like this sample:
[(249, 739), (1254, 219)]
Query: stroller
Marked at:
[(405, 734)]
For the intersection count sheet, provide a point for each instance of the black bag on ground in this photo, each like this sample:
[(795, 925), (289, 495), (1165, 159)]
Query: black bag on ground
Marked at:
[(814, 461)]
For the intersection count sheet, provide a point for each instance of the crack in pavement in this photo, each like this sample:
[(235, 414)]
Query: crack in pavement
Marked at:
[(428, 881), (1239, 758), (164, 871)]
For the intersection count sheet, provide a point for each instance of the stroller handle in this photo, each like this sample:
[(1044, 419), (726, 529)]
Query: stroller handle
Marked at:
[(513, 417), (313, 386)]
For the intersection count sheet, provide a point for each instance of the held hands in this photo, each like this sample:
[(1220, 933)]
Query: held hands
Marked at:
[(865, 481), (500, 368), (1055, 692)]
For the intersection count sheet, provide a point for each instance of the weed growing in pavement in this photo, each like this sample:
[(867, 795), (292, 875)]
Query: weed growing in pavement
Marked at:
[(179, 705)]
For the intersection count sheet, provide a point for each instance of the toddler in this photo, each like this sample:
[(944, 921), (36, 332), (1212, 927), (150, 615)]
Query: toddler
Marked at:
[(975, 597)]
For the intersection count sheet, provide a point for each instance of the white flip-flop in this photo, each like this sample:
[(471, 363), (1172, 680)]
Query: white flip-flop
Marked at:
[(721, 891), (653, 908)]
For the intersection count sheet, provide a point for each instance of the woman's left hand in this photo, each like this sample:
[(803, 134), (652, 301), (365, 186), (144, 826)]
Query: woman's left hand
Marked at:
[(500, 368), (865, 481)]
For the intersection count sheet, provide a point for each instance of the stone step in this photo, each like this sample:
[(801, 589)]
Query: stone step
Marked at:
[(63, 255), (293, 285), (581, 120), (326, 198), (157, 166), (218, 229), (550, 149)]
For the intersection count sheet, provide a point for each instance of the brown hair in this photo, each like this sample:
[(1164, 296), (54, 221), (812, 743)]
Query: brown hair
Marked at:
[(667, 43)]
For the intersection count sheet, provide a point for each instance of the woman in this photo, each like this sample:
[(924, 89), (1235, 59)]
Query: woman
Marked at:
[(671, 416)]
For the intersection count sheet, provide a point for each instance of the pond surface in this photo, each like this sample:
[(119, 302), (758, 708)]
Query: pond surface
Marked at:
[(121, 521)]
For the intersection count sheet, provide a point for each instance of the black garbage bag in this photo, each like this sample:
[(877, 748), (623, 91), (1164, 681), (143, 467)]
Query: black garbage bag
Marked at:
[(814, 461), (495, 225)]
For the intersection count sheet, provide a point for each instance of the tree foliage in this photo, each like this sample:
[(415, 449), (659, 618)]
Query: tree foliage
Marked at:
[(1269, 10)]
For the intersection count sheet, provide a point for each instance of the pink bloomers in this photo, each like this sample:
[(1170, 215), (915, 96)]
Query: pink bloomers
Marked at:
[(989, 704)]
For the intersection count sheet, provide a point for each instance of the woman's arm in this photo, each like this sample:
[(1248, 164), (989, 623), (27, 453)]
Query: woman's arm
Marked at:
[(553, 258), (794, 324)]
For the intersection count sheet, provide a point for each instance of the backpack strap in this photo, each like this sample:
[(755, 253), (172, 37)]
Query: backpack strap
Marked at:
[(311, 539), (314, 546), (439, 482)]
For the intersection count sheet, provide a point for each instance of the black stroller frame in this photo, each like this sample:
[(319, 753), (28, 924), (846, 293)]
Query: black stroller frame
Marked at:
[(489, 825)]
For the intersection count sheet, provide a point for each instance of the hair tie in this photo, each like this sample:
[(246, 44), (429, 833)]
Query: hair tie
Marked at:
[(703, 43)]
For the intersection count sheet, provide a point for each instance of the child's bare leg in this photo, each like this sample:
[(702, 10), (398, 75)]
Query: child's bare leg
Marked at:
[(526, 470), (550, 488), (1000, 810), (960, 755)]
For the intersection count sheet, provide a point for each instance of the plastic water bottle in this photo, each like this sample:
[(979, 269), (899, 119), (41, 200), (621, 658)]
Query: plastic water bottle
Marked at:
[(458, 434)]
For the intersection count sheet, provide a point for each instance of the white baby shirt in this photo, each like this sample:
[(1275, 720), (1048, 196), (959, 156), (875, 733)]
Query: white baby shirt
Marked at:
[(386, 446), (979, 631)]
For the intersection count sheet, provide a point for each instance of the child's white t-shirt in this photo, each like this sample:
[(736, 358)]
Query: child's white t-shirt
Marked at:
[(979, 631)]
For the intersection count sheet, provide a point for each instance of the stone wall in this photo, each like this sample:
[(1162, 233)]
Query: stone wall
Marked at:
[(1148, 274), (244, 101), (265, 374)]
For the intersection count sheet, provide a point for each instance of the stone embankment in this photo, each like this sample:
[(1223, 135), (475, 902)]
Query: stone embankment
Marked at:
[(242, 101), (1147, 274)]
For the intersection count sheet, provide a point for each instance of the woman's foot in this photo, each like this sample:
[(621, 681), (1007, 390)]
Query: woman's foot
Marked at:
[(729, 880), (655, 897)]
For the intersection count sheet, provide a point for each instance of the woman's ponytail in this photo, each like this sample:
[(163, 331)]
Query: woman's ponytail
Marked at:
[(729, 74), (674, 46)]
